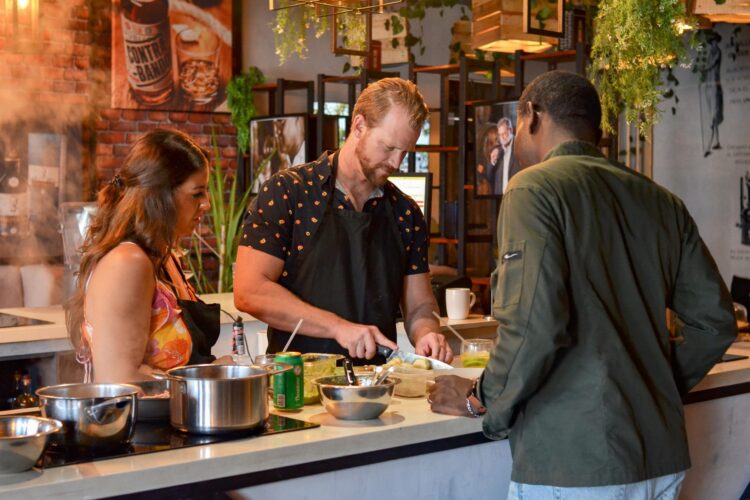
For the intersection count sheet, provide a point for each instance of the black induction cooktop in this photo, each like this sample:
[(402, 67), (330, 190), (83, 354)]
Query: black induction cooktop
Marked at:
[(11, 320), (151, 437)]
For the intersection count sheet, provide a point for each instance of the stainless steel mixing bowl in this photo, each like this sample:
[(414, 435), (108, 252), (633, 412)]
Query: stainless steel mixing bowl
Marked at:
[(355, 402), (22, 441), (93, 415)]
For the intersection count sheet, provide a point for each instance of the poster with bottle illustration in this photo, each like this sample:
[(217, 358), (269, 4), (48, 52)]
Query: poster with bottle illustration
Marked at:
[(702, 145), (171, 54)]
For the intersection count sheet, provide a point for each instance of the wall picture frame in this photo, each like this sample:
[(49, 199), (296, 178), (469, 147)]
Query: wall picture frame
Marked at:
[(544, 17), (284, 140), (494, 140), (172, 56)]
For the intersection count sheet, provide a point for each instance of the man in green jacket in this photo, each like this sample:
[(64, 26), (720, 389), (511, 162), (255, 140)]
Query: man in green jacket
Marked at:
[(586, 380)]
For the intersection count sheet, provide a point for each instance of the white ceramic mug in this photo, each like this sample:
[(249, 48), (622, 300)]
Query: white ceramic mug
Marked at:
[(458, 302)]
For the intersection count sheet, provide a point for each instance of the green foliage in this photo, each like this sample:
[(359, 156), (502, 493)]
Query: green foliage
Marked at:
[(241, 104), (634, 41), (416, 10), (290, 30), (226, 217)]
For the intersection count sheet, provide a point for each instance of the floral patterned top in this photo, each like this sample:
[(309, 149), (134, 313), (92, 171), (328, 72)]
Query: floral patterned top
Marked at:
[(169, 343)]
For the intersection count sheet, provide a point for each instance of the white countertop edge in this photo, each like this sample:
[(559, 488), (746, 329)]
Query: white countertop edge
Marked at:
[(200, 463)]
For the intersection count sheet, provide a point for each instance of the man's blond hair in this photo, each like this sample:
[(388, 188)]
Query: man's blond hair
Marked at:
[(377, 99)]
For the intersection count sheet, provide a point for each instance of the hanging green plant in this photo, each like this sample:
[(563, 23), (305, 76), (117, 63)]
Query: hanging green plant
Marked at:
[(241, 104), (290, 30), (634, 41), (416, 10)]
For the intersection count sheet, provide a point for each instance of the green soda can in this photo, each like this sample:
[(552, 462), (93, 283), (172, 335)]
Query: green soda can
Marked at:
[(288, 387)]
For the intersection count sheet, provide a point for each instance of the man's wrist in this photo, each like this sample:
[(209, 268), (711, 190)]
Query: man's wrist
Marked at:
[(473, 405)]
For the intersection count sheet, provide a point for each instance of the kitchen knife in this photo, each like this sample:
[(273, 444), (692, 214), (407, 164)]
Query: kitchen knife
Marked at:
[(410, 357)]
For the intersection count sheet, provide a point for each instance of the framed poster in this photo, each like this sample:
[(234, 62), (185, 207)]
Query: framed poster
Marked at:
[(543, 17), (277, 143), (171, 54), (494, 132)]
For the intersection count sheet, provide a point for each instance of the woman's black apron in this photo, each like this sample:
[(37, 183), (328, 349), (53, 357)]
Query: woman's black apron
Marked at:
[(354, 267), (202, 322)]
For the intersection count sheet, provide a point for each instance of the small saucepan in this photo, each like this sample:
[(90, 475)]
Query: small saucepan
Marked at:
[(94, 416)]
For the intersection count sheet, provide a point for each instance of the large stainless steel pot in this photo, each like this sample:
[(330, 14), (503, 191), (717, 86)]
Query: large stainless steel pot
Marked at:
[(94, 416), (214, 399)]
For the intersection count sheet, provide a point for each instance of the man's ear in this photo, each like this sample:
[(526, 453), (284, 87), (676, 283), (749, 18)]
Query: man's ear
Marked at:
[(358, 125), (534, 118)]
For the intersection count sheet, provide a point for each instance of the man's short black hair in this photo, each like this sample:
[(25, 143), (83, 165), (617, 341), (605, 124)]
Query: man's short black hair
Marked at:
[(570, 100)]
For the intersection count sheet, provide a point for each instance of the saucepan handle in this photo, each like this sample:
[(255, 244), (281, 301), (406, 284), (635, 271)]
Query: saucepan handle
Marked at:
[(102, 412)]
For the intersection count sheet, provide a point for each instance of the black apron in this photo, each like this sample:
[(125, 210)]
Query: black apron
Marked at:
[(354, 267), (202, 321)]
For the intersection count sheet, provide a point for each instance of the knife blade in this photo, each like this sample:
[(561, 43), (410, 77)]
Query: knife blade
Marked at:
[(409, 357)]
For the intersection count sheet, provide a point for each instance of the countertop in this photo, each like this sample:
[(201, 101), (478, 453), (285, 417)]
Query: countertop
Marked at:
[(407, 422)]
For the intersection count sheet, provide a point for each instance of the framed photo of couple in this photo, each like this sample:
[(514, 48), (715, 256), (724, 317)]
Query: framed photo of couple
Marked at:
[(277, 143), (494, 133)]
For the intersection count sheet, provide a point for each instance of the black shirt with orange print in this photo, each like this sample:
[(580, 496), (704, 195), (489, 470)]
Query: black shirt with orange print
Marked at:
[(288, 210)]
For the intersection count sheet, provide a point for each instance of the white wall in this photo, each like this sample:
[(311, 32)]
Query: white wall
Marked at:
[(258, 49), (710, 185)]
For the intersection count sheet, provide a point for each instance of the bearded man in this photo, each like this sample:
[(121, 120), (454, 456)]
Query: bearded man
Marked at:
[(337, 244)]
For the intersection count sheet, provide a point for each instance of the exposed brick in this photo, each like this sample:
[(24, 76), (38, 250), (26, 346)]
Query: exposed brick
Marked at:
[(112, 137), (121, 151), (134, 114), (78, 24), (76, 75), (81, 50), (104, 149), (81, 62), (222, 117), (57, 98), (146, 126), (82, 37), (80, 12), (178, 117), (83, 87), (200, 118), (190, 128), (124, 126), (51, 73), (106, 162), (223, 140), (132, 137), (64, 86), (61, 35), (229, 152), (111, 114), (158, 116), (100, 124)]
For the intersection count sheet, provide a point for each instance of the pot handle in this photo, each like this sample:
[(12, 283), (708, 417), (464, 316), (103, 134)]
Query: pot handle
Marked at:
[(275, 368), (99, 412)]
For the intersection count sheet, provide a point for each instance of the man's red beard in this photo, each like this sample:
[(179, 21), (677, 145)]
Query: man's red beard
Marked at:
[(370, 171)]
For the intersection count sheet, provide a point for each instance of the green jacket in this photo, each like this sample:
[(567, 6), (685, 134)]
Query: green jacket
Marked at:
[(585, 380)]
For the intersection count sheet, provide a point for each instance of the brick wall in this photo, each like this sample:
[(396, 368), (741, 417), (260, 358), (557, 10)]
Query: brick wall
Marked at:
[(68, 79)]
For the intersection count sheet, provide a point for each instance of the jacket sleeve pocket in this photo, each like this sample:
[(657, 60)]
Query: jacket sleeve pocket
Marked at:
[(510, 275)]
